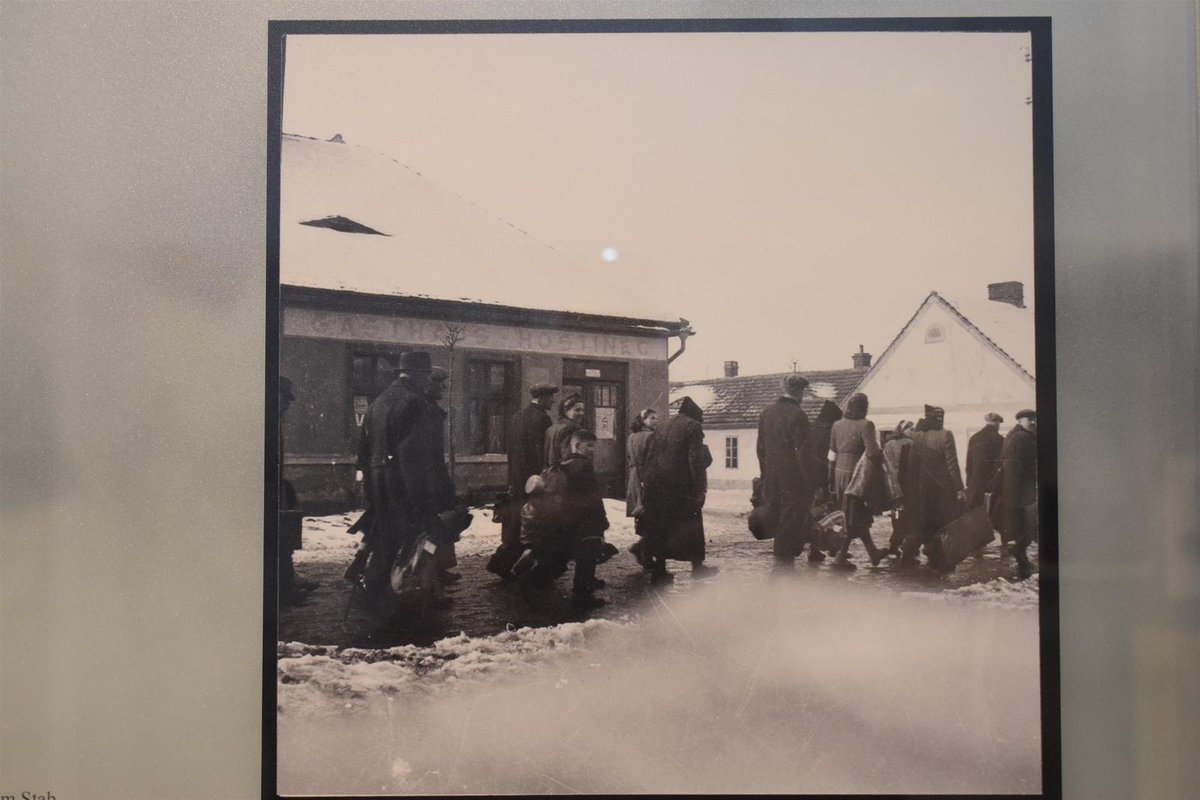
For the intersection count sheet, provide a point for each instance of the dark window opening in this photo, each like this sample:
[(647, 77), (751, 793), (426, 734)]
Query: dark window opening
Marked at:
[(489, 405), (343, 224)]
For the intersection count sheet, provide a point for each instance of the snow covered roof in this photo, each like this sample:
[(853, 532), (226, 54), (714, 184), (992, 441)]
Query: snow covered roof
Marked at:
[(737, 402), (382, 228)]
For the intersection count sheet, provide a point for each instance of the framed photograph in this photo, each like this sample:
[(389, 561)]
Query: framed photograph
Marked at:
[(661, 407)]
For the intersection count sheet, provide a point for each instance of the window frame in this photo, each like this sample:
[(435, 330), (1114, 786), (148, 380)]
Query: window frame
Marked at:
[(471, 395), (731, 452)]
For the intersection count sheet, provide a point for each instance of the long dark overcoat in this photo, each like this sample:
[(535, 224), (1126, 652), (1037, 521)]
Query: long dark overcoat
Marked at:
[(939, 479), (526, 447), (1015, 484), (787, 475), (983, 459), (675, 485)]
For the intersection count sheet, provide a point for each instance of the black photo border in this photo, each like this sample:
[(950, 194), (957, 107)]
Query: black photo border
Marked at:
[(1039, 29)]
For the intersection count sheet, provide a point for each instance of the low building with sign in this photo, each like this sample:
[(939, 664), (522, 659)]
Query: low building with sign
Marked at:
[(377, 259)]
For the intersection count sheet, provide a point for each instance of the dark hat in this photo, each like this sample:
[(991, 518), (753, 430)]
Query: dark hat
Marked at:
[(689, 408), (1027, 412), (829, 413), (416, 361), (934, 412), (992, 416), (795, 383), (439, 375), (542, 390)]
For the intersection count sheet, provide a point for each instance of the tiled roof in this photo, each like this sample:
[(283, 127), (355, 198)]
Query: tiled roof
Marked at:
[(737, 402)]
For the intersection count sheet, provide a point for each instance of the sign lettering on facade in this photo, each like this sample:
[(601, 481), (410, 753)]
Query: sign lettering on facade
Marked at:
[(321, 324)]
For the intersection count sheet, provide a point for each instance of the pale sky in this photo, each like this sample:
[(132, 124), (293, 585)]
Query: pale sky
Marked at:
[(793, 195)]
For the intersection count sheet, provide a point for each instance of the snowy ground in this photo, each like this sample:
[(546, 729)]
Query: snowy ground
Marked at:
[(740, 684)]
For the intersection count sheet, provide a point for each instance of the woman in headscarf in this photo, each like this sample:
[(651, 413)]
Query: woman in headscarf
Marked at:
[(558, 436), (674, 483), (852, 439)]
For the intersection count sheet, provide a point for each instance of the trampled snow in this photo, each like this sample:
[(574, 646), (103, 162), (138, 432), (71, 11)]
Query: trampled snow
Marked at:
[(739, 687)]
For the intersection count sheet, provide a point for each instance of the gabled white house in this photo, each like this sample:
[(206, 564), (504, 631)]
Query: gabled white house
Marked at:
[(969, 356)]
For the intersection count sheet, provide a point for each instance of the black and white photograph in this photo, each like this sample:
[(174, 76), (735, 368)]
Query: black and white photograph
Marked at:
[(655, 409)]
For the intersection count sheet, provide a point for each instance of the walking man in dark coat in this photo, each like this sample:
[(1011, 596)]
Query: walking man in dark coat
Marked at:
[(392, 479), (939, 481), (788, 482), (676, 484), (1014, 487), (526, 457), (983, 459)]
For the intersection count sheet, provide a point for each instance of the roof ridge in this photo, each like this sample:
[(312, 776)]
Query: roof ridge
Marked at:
[(950, 304)]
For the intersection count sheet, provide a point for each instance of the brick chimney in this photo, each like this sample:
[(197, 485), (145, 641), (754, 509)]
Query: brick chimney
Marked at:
[(1011, 292), (731, 369), (861, 360)]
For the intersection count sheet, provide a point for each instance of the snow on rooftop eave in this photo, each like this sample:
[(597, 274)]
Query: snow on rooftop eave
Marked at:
[(445, 240)]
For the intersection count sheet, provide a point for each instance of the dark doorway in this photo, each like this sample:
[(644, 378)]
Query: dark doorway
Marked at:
[(602, 385)]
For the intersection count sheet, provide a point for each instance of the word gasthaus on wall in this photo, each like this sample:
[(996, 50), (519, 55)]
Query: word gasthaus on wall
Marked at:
[(428, 332)]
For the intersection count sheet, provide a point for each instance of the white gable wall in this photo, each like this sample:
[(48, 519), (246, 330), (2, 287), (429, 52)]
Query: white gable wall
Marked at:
[(722, 477), (962, 373)]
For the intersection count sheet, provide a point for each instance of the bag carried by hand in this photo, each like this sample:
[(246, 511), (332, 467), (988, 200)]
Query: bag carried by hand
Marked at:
[(414, 575)]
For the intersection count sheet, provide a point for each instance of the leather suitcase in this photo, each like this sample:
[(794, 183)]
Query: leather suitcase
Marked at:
[(965, 535)]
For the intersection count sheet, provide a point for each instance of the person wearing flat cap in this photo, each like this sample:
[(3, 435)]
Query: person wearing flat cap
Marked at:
[(1014, 489), (983, 458), (394, 469), (526, 456)]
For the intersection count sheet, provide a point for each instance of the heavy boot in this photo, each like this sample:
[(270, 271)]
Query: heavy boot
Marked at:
[(842, 561), (874, 553)]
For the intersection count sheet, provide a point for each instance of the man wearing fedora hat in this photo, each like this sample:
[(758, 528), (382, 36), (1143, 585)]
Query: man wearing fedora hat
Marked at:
[(395, 415), (526, 457)]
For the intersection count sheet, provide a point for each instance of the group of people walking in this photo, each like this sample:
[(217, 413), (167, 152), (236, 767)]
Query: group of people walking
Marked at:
[(553, 512), (815, 474), (835, 469)]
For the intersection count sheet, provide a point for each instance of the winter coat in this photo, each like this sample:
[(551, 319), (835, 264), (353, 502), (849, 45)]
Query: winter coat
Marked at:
[(422, 455), (675, 483), (568, 508), (938, 479), (782, 435), (983, 459), (898, 470), (637, 447), (526, 447), (850, 440), (869, 484), (1014, 486), (558, 441)]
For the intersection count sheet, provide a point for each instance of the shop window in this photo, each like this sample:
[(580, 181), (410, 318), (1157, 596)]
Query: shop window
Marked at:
[(371, 372), (489, 405), (731, 452)]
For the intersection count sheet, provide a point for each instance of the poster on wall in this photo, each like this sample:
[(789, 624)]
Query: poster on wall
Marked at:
[(828, 239)]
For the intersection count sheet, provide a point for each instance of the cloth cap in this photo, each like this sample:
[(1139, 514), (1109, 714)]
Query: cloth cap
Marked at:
[(795, 384), (439, 375), (542, 390), (992, 416), (1027, 412), (416, 361), (933, 412)]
